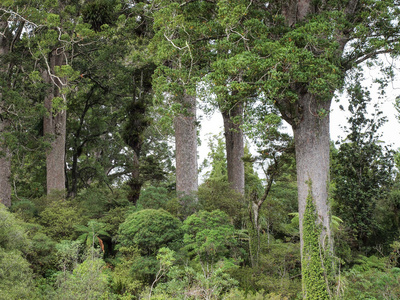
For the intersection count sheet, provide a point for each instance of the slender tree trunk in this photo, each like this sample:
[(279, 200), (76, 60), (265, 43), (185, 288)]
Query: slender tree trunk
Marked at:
[(5, 169), (54, 124), (186, 148), (312, 159), (135, 182), (133, 135), (234, 146), (5, 154)]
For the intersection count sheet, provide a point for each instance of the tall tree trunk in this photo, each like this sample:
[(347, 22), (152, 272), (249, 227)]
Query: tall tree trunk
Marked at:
[(186, 148), (311, 135), (312, 140), (309, 118), (234, 146), (133, 134), (54, 124), (5, 154)]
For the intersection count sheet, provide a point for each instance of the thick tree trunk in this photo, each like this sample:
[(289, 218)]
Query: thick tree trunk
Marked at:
[(234, 146), (186, 148), (5, 155), (54, 124), (312, 140)]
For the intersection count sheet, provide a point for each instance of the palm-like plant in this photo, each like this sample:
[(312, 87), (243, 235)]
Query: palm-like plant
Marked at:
[(91, 233)]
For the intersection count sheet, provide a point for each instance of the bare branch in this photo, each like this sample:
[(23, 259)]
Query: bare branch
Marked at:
[(19, 16)]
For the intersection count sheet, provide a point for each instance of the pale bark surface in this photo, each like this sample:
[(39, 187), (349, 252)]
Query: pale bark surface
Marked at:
[(186, 148), (311, 135), (5, 155), (234, 147), (54, 124), (312, 159)]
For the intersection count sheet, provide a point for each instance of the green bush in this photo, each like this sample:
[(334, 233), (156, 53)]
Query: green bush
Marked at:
[(16, 278), (153, 198), (185, 282), (150, 230), (89, 280), (41, 254), (59, 219), (218, 194), (12, 233), (113, 219), (372, 278), (209, 235), (25, 209), (124, 280), (97, 201)]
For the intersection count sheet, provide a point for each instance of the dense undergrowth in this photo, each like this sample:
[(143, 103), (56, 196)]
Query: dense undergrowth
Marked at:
[(98, 246)]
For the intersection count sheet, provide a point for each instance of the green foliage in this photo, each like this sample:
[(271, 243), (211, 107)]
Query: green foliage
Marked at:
[(216, 159), (362, 171), (371, 278), (166, 259), (183, 282), (281, 264), (16, 278), (91, 233), (210, 236), (88, 280), (214, 194), (41, 254), (281, 201), (96, 201), (25, 209), (99, 13), (68, 255), (59, 219), (150, 230), (236, 294), (124, 278), (153, 197), (314, 263), (12, 233), (240, 51), (113, 219)]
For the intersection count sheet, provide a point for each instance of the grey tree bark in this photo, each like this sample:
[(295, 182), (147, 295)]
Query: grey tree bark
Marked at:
[(311, 135), (234, 146), (312, 139), (5, 154), (54, 125), (186, 148)]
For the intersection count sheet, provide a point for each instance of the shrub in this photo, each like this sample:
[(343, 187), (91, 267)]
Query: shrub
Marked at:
[(16, 278), (87, 281), (153, 198), (12, 233), (150, 230), (209, 235), (59, 219)]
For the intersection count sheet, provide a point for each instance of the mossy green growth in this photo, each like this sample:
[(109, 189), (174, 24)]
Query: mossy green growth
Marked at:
[(314, 261)]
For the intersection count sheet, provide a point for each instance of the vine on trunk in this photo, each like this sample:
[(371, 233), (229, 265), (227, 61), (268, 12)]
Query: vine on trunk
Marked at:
[(316, 262)]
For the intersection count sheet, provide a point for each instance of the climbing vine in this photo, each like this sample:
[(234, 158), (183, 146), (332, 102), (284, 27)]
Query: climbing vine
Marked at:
[(315, 261)]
